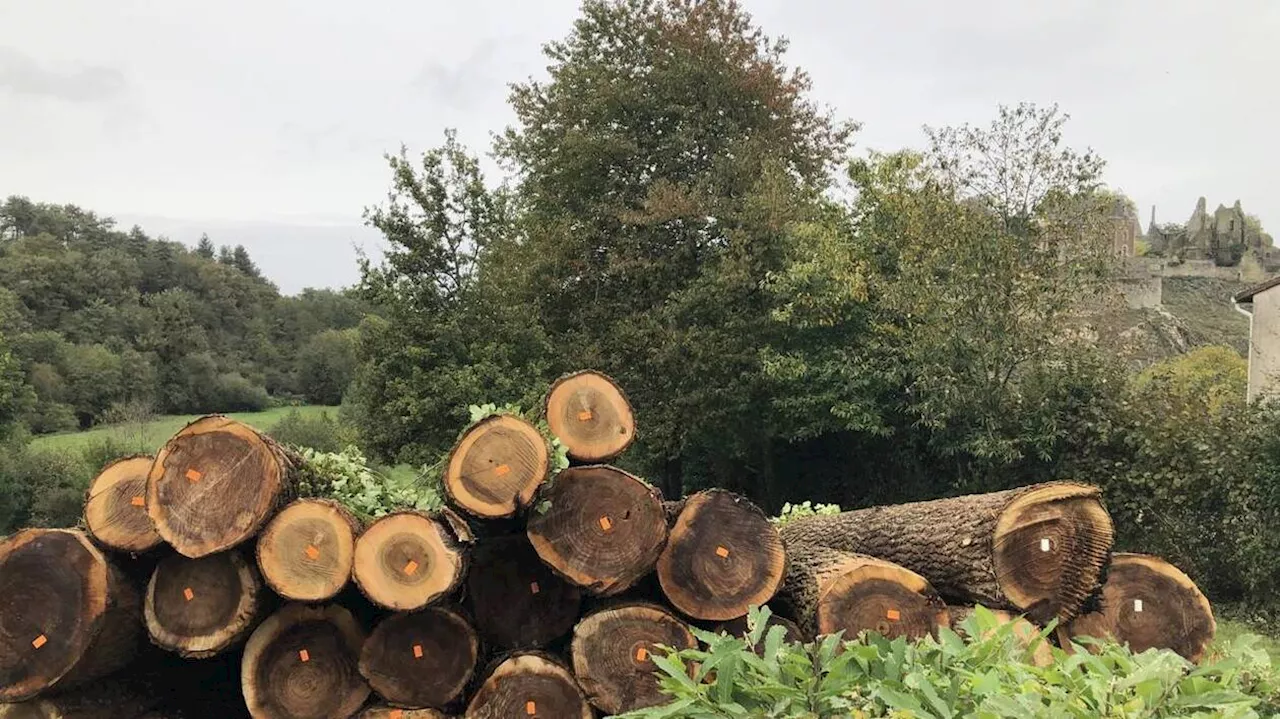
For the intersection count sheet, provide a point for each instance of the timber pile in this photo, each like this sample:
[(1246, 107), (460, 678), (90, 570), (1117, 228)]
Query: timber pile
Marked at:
[(529, 596)]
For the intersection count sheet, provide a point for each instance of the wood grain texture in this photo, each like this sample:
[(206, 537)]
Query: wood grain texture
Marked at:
[(115, 509), (302, 662), (202, 607), (613, 654), (591, 416), (306, 552), (496, 467), (529, 684), (408, 560), (421, 659)]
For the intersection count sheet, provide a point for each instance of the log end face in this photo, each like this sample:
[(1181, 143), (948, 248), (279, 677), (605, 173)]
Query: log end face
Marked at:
[(723, 557), (613, 655), (1149, 603), (306, 552), (1049, 548), (517, 601), (883, 598), (54, 593), (213, 485), (198, 608), (496, 467), (529, 685), (407, 560), (423, 659), (302, 662), (590, 414), (603, 531), (116, 510)]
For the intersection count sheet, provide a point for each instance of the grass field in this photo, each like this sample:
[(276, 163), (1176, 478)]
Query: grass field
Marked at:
[(151, 435), (1229, 629)]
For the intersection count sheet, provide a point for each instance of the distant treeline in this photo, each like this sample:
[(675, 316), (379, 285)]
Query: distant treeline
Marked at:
[(101, 322)]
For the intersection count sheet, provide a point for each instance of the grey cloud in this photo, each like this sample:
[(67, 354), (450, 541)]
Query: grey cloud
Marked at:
[(459, 84), (22, 75)]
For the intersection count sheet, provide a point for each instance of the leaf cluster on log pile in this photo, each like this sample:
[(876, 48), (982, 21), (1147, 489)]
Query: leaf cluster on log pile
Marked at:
[(536, 593)]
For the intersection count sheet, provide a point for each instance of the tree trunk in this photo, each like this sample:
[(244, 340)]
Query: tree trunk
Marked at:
[(591, 416), (529, 684), (496, 467), (215, 483), (1147, 602), (199, 608), (423, 659), (603, 529), (829, 591), (115, 510), (740, 629), (1038, 550), (1040, 653), (517, 601), (407, 560), (722, 558), (612, 654), (302, 662), (386, 712), (67, 616), (305, 553)]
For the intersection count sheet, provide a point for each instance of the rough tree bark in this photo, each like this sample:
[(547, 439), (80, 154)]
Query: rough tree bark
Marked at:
[(1038, 550), (599, 527), (612, 654), (829, 591), (723, 556), (305, 553), (302, 662), (67, 616), (1147, 602), (407, 560), (215, 483), (115, 509), (529, 684), (423, 659), (517, 601), (496, 467), (591, 416), (199, 608)]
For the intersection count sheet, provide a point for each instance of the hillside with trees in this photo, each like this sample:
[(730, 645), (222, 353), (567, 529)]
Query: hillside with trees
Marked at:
[(100, 323)]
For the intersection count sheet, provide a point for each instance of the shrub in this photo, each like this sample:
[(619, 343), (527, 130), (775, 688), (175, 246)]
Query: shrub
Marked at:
[(323, 433), (950, 677), (347, 478), (46, 487), (234, 393)]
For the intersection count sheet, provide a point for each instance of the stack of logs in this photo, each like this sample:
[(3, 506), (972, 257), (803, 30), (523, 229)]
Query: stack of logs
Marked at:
[(527, 598)]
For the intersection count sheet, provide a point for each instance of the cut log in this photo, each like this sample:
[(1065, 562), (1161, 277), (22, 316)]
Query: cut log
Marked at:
[(517, 601), (215, 483), (302, 662), (599, 527), (407, 560), (67, 616), (496, 467), (740, 628), (423, 659), (722, 558), (613, 654), (386, 712), (1040, 653), (199, 608), (529, 684), (828, 591), (103, 699), (1146, 603), (591, 416), (305, 553), (1037, 550), (116, 508)]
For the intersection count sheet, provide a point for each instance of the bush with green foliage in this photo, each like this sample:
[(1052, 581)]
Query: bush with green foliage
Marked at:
[(322, 432), (46, 488), (952, 677), (348, 478)]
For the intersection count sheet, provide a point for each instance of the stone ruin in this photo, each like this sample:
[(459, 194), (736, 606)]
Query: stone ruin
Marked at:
[(1224, 237)]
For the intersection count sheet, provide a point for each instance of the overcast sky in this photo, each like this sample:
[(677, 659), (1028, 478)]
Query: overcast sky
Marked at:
[(264, 121)]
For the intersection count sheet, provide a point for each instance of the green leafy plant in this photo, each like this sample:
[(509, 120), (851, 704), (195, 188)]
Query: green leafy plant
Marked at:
[(951, 677), (804, 509), (347, 478)]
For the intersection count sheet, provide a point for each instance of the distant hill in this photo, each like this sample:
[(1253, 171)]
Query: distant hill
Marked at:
[(1194, 311)]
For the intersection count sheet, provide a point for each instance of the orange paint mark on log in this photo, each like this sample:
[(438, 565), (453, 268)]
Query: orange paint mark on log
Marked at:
[(893, 615), (39, 641), (641, 654), (417, 651), (722, 552), (530, 708), (312, 552), (534, 588), (193, 476), (585, 415), (396, 714), (411, 568), (138, 502), (606, 524), (502, 470), (304, 655), (188, 594)]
